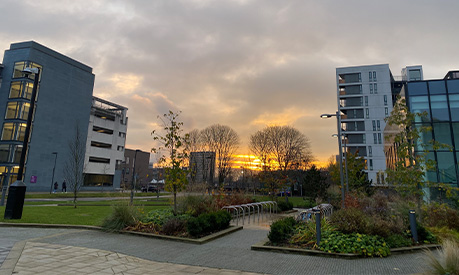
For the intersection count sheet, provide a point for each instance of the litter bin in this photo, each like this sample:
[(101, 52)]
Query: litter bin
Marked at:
[(15, 201)]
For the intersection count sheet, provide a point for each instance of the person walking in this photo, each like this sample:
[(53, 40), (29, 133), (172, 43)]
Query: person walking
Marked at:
[(55, 187), (64, 187)]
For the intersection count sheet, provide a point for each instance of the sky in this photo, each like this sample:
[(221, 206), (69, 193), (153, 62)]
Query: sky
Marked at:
[(242, 63)]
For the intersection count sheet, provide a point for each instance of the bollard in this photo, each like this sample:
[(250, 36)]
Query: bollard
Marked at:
[(15, 201), (318, 230), (413, 228)]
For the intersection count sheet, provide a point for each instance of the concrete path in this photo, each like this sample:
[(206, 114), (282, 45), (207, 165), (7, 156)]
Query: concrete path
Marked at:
[(70, 251)]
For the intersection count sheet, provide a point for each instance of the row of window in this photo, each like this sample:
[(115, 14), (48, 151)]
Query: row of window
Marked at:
[(21, 65), (437, 107), (17, 110), (372, 76)]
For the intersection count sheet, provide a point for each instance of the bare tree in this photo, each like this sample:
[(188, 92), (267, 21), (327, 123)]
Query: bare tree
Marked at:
[(224, 141), (195, 141), (74, 167), (279, 148)]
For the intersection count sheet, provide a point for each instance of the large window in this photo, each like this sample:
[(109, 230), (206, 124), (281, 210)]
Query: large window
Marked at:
[(437, 87), (4, 152), (21, 65), (420, 104), (446, 167), (417, 88), (21, 89), (17, 110), (442, 133), (454, 105), (13, 131), (439, 108)]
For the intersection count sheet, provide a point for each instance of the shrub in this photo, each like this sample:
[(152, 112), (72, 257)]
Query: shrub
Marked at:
[(195, 205), (235, 198), (355, 243), (440, 215), (174, 227), (208, 222), (281, 230), (122, 216), (307, 203), (424, 235), (447, 262), (350, 220), (305, 232), (285, 206), (161, 216), (398, 240)]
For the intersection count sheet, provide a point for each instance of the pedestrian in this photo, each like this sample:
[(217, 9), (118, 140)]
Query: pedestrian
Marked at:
[(55, 187), (64, 187)]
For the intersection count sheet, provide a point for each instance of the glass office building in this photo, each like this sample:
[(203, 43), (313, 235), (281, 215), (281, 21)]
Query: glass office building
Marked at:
[(440, 100)]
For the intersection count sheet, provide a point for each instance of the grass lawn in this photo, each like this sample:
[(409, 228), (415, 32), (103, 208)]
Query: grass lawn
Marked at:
[(137, 201), (82, 215), (83, 194)]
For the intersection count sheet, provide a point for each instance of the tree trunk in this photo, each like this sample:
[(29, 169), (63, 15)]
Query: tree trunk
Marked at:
[(175, 200)]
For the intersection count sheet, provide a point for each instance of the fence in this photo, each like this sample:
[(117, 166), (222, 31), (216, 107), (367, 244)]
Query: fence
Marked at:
[(240, 211)]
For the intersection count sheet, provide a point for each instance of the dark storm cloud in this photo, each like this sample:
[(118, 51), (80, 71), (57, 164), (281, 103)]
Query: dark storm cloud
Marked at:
[(245, 64)]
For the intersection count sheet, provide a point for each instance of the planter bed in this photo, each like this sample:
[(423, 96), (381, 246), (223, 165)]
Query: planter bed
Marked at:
[(262, 246)]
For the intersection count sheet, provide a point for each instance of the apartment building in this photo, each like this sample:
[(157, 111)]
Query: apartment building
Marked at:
[(365, 98)]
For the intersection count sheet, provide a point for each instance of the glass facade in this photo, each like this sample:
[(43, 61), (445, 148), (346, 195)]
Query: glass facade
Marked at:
[(16, 114), (438, 100)]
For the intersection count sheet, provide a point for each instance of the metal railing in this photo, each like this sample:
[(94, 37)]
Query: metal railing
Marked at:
[(326, 210), (262, 209)]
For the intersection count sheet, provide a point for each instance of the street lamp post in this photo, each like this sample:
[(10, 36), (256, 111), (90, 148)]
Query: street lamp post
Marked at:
[(54, 169), (16, 193), (338, 118)]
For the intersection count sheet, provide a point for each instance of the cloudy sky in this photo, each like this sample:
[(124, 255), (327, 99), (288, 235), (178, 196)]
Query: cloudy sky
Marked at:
[(241, 63)]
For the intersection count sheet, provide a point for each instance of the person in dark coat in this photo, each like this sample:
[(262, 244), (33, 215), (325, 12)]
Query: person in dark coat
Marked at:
[(55, 187), (64, 187)]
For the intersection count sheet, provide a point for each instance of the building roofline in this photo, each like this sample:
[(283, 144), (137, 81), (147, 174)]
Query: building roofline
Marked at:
[(109, 103), (48, 51)]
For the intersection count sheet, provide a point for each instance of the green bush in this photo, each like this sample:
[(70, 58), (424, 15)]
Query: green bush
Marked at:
[(285, 206), (350, 220), (355, 243), (424, 235), (161, 216), (440, 215), (208, 222), (398, 240), (281, 230), (122, 216), (307, 203)]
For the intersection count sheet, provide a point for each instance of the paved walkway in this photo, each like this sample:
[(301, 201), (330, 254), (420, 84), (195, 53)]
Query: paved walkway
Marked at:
[(70, 251)]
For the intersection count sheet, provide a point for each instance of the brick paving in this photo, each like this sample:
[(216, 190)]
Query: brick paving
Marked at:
[(230, 254)]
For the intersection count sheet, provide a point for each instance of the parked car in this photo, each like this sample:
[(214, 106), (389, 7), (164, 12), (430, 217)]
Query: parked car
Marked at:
[(283, 193), (149, 188)]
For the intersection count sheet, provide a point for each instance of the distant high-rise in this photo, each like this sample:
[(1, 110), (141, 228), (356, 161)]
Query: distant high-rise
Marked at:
[(202, 167)]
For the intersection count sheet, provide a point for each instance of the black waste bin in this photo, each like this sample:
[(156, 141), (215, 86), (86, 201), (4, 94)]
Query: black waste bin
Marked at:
[(15, 201)]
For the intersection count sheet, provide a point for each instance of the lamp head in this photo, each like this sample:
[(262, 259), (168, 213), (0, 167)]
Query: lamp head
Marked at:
[(30, 70), (326, 115)]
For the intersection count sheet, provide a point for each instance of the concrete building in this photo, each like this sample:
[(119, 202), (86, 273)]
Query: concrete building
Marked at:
[(365, 97), (141, 161), (105, 143), (64, 103), (202, 168)]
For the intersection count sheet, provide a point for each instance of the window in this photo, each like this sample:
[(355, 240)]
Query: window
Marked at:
[(360, 77), (371, 164), (20, 89), (8, 131), (379, 138), (101, 145), (17, 110), (17, 153), (366, 100), (375, 138), (385, 99), (367, 112), (123, 135), (120, 148), (386, 111), (4, 152), (99, 160), (374, 76), (370, 151), (102, 130), (21, 65), (127, 160), (379, 125), (127, 170), (376, 88), (374, 125), (364, 138), (371, 88), (370, 76)]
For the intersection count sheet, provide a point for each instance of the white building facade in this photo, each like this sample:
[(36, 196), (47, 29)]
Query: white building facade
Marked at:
[(105, 143), (365, 98)]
